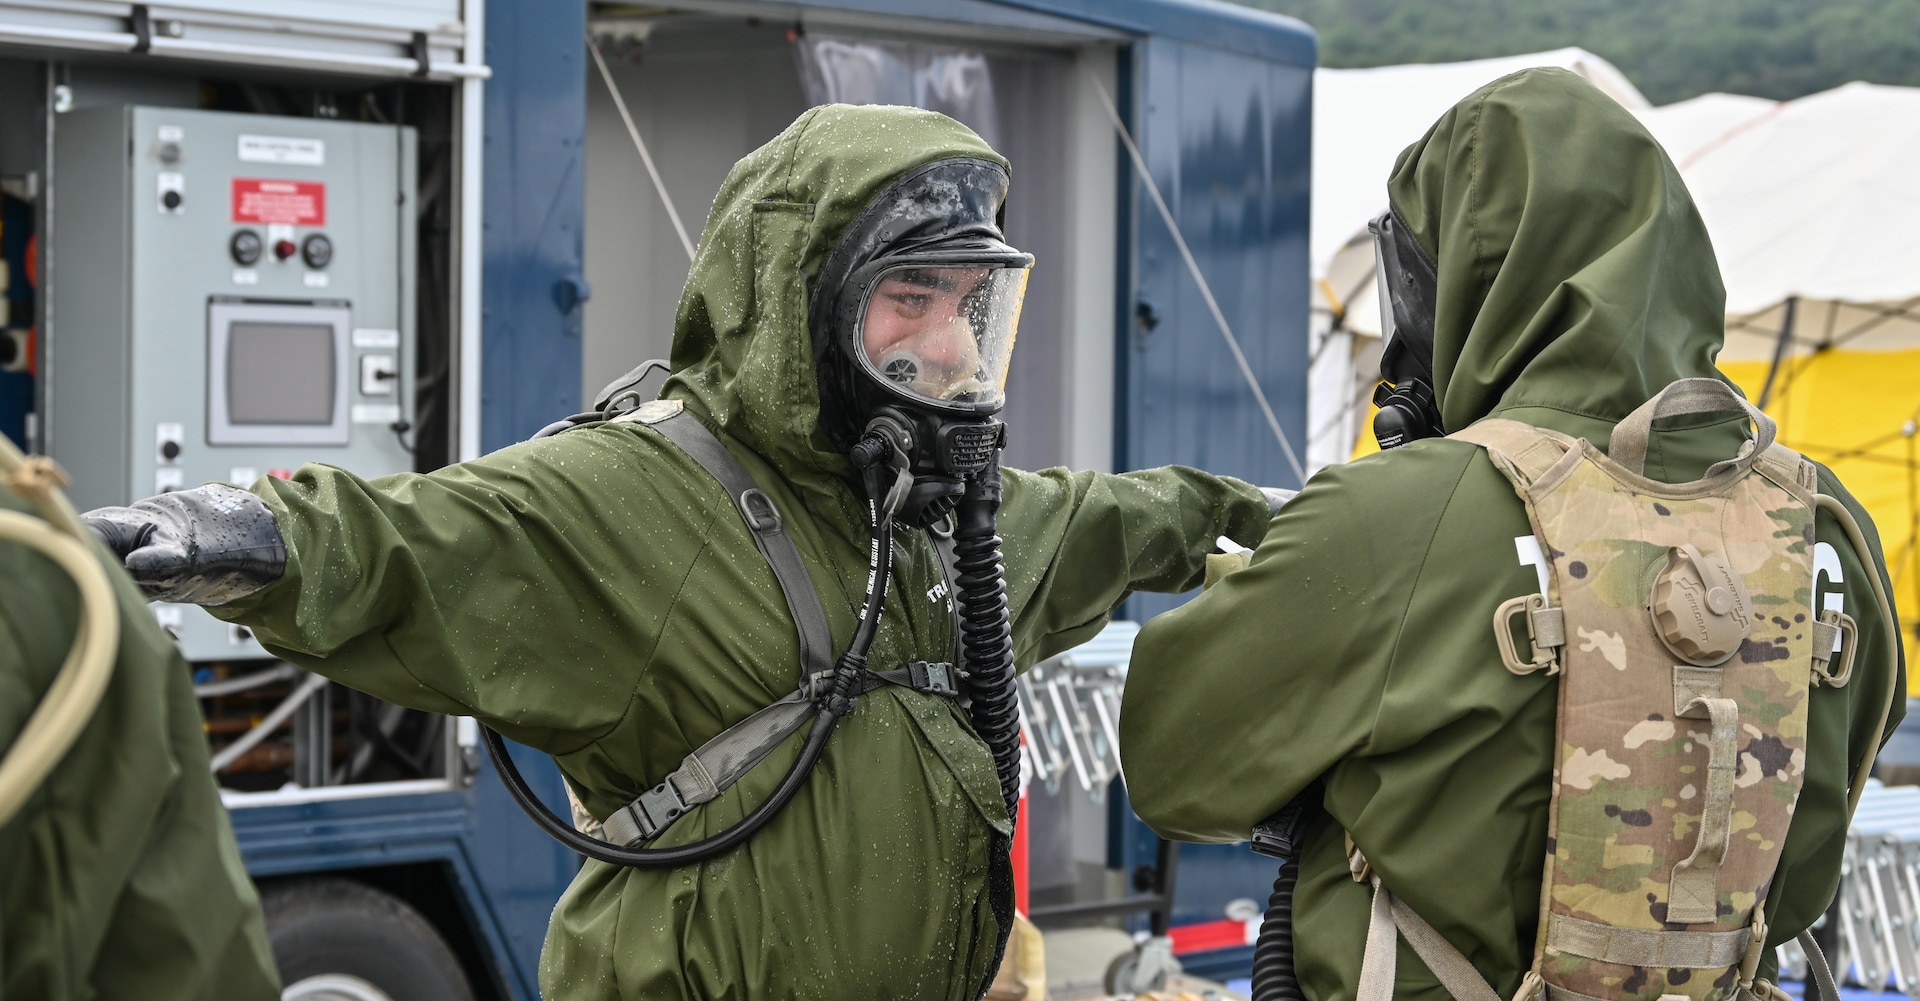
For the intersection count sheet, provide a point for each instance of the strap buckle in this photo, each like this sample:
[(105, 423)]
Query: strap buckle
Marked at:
[(934, 679), (1835, 637), (1546, 633), (758, 510), (656, 808)]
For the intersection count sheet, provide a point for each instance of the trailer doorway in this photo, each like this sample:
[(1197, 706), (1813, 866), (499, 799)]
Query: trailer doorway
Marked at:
[(705, 88)]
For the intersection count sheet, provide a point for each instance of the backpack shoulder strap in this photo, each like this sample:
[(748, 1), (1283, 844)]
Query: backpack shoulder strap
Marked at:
[(1521, 451), (670, 418)]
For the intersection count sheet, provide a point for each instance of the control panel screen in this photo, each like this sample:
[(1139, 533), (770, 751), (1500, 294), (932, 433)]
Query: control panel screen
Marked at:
[(280, 373)]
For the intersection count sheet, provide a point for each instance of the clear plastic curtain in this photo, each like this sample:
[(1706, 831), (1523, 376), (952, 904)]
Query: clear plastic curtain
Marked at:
[(955, 82)]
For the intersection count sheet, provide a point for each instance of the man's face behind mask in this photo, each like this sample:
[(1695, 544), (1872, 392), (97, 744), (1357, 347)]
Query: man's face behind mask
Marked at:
[(944, 333)]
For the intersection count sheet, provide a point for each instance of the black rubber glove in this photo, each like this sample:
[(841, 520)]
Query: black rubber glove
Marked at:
[(208, 546)]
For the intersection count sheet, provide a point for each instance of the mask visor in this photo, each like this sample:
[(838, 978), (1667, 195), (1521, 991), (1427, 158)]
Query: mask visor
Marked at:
[(944, 333)]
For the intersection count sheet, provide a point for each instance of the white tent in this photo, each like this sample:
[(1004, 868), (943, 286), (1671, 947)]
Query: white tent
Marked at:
[(1814, 208), (1362, 119), (1695, 127)]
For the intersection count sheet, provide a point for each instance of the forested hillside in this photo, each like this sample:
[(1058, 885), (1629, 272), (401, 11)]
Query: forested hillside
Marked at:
[(1671, 49)]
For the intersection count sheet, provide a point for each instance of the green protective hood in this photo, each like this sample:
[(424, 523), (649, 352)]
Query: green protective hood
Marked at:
[(1575, 275), (742, 353)]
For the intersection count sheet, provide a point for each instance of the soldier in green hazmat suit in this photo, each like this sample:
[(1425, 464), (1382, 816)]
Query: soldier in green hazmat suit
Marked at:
[(119, 875), (1574, 281), (595, 595)]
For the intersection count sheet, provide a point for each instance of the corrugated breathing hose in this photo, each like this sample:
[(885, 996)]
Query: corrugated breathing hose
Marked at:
[(75, 691), (1273, 976), (986, 631)]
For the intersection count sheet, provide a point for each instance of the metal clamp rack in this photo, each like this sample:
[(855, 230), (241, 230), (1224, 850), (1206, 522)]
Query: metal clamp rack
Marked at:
[(1879, 900), (1070, 711)]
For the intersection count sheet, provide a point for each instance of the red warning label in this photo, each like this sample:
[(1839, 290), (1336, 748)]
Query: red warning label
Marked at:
[(268, 203)]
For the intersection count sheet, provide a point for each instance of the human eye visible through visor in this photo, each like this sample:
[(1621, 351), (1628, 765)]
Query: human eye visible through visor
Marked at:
[(944, 333)]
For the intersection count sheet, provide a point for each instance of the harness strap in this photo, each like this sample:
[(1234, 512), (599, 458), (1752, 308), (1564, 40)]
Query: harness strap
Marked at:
[(1694, 950), (669, 417), (1391, 919), (716, 765), (708, 771), (1526, 450), (731, 754)]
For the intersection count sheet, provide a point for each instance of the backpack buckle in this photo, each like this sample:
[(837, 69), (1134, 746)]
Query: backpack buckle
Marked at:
[(934, 679), (1546, 634)]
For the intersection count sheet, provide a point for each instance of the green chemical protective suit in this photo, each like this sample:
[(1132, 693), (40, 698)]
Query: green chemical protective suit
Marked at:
[(597, 596), (120, 877), (1575, 281)]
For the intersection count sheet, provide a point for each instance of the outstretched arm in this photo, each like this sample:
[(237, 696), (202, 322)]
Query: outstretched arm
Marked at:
[(1077, 543), (469, 590)]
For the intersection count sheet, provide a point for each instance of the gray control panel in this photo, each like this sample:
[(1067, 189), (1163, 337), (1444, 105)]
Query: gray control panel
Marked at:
[(231, 297)]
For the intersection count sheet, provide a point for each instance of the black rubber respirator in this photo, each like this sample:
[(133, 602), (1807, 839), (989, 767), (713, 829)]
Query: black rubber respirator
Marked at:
[(1407, 285), (913, 327)]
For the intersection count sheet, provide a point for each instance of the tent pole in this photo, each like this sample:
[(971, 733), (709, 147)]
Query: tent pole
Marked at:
[(1779, 350)]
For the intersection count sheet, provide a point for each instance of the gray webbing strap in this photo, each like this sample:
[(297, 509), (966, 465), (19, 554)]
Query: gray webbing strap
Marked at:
[(720, 762), (763, 520), (1392, 918), (1693, 950), (1628, 446), (1817, 965), (709, 771)]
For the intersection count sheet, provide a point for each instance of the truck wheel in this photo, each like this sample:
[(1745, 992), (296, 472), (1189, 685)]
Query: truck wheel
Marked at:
[(337, 940)]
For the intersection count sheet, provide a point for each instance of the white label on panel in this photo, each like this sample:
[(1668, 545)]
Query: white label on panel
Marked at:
[(168, 478), (283, 149), (279, 231), (171, 191), (246, 276), (242, 475), (370, 338), (376, 413), (170, 133), (315, 279)]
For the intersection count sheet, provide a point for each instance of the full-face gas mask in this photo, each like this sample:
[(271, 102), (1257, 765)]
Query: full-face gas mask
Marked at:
[(914, 325), (1406, 282)]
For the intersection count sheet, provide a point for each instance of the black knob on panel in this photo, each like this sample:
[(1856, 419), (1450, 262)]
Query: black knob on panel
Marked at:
[(317, 251), (171, 199), (170, 450), (246, 247)]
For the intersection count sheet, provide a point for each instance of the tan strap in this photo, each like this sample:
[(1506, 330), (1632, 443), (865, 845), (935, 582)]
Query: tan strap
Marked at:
[(1693, 950), (1391, 918), (1382, 958), (1527, 452), (1693, 895), (1790, 469), (1628, 445)]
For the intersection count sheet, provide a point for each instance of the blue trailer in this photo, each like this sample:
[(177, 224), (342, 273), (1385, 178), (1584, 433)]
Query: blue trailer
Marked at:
[(538, 257)]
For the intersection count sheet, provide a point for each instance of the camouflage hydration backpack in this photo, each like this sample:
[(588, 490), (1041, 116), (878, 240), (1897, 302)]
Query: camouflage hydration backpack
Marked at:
[(1679, 620)]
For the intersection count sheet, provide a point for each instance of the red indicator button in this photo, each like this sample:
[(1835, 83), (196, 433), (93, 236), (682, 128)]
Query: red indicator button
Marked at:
[(283, 249)]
